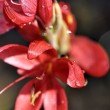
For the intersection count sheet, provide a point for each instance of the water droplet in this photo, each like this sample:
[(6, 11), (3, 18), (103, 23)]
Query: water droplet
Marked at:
[(30, 23), (83, 71), (69, 32), (78, 84), (22, 25), (62, 101), (14, 19), (65, 7), (51, 27)]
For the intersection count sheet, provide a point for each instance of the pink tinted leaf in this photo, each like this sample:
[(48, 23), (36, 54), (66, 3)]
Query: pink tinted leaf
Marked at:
[(16, 55), (23, 101), (29, 7), (69, 72), (4, 25), (38, 48), (90, 56), (17, 18)]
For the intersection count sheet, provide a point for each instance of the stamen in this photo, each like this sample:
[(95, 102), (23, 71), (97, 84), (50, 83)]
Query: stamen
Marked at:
[(14, 82), (34, 96), (41, 77), (32, 92)]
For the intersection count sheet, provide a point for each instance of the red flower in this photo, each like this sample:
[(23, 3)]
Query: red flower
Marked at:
[(47, 92), (89, 55), (43, 66), (25, 15), (24, 11), (20, 13), (4, 25)]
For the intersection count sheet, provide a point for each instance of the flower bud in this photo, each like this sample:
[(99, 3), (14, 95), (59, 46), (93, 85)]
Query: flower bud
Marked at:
[(45, 11), (68, 17)]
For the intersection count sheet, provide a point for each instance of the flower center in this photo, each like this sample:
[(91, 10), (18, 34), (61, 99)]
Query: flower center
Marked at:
[(49, 68)]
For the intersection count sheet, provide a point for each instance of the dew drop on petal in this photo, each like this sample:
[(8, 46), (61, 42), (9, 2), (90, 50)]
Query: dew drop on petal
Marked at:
[(14, 19), (62, 101), (69, 32), (83, 71), (51, 27), (22, 25), (30, 23), (78, 84)]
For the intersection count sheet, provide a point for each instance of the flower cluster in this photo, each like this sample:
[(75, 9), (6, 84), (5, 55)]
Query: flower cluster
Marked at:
[(54, 53)]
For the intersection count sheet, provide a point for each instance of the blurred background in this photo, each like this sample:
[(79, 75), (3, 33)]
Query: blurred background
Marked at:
[(93, 19)]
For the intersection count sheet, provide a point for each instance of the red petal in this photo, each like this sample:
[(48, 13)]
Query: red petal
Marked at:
[(50, 100), (90, 56), (54, 97), (29, 7), (31, 32), (69, 72), (38, 48), (4, 25), (16, 55), (45, 10), (23, 101), (37, 72), (17, 18), (62, 100), (15, 6), (61, 97)]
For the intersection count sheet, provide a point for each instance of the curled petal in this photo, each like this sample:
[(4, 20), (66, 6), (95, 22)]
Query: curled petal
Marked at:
[(29, 7), (16, 6), (16, 55), (16, 17), (42, 48), (69, 72), (90, 56), (4, 25), (23, 101)]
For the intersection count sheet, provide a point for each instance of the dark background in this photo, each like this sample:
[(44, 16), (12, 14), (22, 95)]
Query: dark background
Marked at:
[(93, 18)]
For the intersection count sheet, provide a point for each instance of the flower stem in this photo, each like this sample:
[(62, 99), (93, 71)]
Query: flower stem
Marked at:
[(14, 82)]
